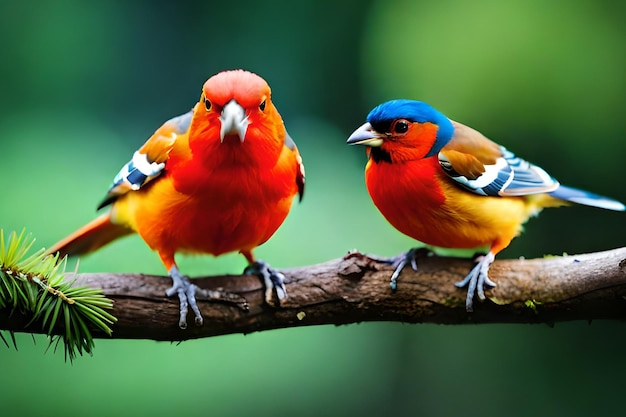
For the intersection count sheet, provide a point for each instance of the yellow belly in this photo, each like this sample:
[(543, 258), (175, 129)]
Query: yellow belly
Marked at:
[(213, 223), (424, 204)]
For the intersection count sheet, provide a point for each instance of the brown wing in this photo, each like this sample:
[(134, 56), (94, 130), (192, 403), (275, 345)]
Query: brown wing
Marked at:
[(469, 151), (486, 168), (149, 161)]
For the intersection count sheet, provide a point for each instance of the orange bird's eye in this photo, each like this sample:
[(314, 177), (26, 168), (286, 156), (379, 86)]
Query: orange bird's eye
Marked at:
[(262, 105), (207, 104), (400, 127)]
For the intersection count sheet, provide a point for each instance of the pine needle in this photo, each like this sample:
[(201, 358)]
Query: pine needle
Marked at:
[(34, 285)]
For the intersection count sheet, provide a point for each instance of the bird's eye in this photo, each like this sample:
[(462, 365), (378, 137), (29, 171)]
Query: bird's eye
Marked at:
[(207, 104), (400, 127), (262, 105)]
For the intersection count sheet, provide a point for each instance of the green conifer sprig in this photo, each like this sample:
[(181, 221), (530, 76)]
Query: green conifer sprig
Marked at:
[(34, 285)]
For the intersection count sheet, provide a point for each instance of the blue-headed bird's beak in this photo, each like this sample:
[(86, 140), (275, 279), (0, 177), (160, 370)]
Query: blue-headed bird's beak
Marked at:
[(366, 135)]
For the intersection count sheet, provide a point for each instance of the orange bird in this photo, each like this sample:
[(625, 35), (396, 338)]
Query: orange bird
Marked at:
[(218, 179), (447, 185)]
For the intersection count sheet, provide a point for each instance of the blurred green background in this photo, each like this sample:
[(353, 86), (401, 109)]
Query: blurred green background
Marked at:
[(85, 83)]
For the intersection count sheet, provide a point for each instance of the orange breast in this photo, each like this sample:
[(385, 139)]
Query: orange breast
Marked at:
[(228, 208), (418, 200)]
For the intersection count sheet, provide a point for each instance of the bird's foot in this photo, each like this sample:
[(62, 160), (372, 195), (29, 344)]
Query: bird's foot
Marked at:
[(403, 259), (186, 291), (400, 261), (273, 280), (477, 279)]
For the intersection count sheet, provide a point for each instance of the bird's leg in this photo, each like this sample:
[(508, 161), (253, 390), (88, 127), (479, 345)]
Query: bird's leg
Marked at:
[(273, 280), (400, 261), (186, 291), (477, 279)]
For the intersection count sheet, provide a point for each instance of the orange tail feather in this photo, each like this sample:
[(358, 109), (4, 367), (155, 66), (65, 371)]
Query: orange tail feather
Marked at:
[(90, 237)]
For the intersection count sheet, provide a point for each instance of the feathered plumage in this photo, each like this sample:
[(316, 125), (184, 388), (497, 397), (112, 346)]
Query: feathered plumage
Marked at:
[(447, 185), (218, 179)]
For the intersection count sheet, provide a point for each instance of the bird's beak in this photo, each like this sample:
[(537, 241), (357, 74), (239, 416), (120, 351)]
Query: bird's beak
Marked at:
[(365, 135), (234, 121)]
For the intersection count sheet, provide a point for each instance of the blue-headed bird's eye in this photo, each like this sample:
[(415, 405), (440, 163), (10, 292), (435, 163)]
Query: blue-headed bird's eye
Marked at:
[(400, 127)]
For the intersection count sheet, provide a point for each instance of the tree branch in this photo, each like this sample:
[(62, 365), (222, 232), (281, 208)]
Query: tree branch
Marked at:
[(356, 288)]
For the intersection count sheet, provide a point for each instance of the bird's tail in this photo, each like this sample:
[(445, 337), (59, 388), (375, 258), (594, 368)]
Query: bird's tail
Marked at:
[(586, 198), (90, 237)]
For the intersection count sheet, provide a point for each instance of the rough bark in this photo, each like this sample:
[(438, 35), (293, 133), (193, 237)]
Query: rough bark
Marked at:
[(356, 289)]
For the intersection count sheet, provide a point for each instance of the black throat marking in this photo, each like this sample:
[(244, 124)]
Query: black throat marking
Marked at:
[(379, 155)]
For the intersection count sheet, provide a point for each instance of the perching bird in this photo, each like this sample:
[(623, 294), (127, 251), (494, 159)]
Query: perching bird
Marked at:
[(218, 179), (447, 185)]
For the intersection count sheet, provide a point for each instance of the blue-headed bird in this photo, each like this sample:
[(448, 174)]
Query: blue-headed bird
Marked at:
[(446, 185)]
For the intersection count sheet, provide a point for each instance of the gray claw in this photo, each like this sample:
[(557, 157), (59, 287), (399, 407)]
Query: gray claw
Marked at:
[(272, 279), (476, 280), (186, 291), (402, 260)]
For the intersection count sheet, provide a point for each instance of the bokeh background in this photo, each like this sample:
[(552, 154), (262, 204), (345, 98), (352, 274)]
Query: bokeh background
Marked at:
[(85, 83)]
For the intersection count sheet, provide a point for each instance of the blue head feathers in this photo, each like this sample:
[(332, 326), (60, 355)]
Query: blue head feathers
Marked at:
[(415, 111)]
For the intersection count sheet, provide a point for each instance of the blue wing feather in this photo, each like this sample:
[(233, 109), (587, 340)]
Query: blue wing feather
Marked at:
[(509, 176), (586, 198), (527, 178), (140, 169), (134, 175), (514, 176), (499, 183)]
